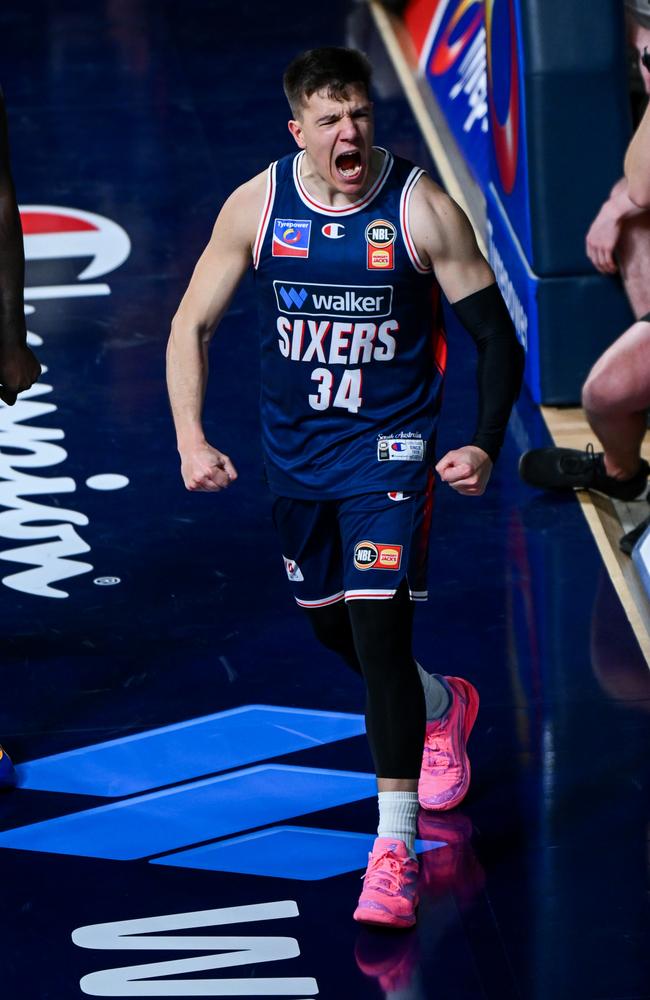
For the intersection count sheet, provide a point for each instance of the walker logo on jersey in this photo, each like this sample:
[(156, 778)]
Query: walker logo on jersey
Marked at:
[(334, 300), (374, 555), (291, 237), (291, 297), (333, 230), (293, 570), (380, 239)]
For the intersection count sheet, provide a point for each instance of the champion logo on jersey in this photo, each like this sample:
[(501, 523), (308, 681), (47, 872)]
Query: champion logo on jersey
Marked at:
[(293, 570), (397, 497), (333, 230), (291, 237)]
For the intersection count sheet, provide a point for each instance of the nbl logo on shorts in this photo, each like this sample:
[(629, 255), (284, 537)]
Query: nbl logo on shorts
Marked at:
[(374, 555)]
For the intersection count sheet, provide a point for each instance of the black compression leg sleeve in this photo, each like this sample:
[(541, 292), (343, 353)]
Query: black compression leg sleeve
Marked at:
[(395, 707), (332, 628)]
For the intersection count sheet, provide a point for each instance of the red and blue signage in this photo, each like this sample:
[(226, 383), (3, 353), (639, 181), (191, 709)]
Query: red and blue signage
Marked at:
[(452, 57), (508, 156), (545, 163)]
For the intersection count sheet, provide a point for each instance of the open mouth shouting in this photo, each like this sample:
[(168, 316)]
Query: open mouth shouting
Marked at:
[(349, 165)]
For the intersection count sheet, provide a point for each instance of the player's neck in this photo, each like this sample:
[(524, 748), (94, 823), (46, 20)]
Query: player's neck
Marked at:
[(324, 192)]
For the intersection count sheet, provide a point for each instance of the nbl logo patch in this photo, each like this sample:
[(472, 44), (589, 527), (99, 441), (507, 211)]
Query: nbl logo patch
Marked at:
[(291, 237), (380, 245), (374, 555)]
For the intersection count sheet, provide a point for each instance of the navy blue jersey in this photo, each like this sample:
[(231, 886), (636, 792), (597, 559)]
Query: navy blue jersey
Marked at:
[(352, 342)]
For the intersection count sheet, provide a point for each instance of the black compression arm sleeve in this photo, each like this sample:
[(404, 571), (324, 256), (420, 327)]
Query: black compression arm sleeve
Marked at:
[(500, 363)]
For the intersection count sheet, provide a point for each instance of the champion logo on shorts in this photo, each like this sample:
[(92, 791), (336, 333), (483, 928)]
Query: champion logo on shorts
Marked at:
[(375, 555), (398, 496), (293, 570)]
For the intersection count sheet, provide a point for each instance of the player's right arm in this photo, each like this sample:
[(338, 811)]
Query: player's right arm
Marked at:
[(216, 276)]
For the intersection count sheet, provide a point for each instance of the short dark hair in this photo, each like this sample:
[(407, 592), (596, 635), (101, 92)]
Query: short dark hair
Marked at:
[(331, 68)]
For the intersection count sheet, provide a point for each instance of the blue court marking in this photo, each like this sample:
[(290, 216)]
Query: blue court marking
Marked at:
[(297, 852), (187, 750), (204, 810)]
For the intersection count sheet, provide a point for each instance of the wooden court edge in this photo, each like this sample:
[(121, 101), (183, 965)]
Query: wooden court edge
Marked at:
[(567, 427)]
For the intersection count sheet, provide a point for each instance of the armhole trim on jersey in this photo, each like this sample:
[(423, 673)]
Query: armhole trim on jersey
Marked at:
[(269, 198), (407, 236)]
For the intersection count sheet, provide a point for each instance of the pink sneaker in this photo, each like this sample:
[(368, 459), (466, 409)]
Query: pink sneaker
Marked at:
[(389, 895), (445, 774)]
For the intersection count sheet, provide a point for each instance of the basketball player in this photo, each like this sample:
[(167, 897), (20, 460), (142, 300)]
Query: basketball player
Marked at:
[(19, 369), (616, 394), (351, 246)]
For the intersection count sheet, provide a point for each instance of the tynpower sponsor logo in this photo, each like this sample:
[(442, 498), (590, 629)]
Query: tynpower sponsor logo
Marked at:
[(44, 534)]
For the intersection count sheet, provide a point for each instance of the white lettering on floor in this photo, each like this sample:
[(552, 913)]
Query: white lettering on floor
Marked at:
[(145, 981)]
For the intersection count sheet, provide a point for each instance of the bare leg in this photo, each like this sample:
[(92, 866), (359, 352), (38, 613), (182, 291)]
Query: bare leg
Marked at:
[(616, 396), (633, 256), (617, 391)]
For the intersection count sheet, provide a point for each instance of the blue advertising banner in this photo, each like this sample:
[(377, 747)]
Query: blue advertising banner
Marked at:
[(556, 74), (453, 61), (534, 91)]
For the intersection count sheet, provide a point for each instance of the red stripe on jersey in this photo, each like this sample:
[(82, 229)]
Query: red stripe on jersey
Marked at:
[(440, 356), (438, 333)]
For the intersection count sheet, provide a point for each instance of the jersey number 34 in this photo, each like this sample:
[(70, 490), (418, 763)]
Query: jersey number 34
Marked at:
[(347, 396)]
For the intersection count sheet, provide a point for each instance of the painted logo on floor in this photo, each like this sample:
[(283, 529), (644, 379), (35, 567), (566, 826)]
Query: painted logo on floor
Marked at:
[(165, 803), (48, 531)]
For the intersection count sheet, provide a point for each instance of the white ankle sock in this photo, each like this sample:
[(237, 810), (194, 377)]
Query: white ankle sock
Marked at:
[(398, 812), (436, 694)]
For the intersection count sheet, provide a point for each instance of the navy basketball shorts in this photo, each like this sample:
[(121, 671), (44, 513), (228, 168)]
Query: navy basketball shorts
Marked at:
[(361, 547)]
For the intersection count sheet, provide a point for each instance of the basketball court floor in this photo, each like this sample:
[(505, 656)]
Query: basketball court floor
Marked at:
[(196, 798)]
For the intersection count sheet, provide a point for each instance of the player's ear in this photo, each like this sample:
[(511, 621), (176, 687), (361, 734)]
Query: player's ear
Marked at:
[(295, 128)]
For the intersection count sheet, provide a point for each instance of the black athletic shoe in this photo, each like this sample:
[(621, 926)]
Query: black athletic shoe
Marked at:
[(627, 542), (570, 469)]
